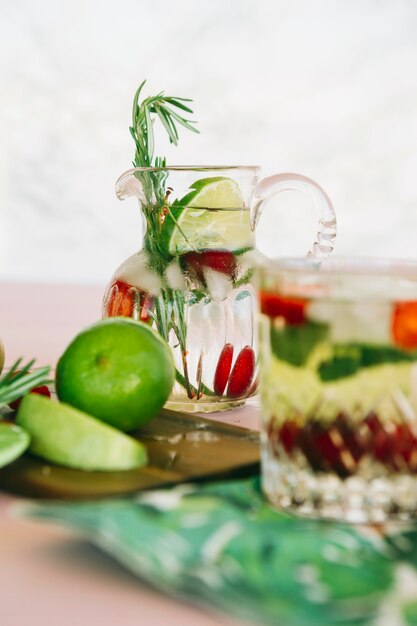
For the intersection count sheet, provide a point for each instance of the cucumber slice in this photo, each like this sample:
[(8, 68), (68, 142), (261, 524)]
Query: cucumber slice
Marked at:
[(66, 436)]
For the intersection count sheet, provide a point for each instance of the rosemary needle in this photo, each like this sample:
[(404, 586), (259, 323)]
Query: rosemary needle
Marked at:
[(19, 381)]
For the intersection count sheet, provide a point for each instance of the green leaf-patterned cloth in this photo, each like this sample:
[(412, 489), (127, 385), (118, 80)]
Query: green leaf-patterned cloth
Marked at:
[(222, 545)]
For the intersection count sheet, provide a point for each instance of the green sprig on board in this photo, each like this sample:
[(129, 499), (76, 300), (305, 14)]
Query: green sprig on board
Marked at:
[(19, 380), (14, 384)]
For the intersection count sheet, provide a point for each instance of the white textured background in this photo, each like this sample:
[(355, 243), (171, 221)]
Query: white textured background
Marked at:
[(327, 88)]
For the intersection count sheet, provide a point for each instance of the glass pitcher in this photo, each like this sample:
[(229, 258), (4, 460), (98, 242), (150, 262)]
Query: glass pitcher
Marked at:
[(191, 279)]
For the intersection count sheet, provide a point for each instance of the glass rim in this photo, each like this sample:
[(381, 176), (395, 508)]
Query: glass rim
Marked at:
[(195, 168), (340, 266)]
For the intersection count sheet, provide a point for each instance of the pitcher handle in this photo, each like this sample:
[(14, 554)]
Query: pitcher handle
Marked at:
[(271, 186)]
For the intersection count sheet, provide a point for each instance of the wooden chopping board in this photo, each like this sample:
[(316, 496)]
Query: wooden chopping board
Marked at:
[(181, 447)]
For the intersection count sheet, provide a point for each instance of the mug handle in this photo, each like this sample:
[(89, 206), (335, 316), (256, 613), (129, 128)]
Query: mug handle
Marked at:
[(271, 186)]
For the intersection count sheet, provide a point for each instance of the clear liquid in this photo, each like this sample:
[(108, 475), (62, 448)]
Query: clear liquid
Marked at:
[(204, 306)]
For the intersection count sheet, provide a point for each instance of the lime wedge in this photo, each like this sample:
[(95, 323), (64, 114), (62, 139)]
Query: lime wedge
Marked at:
[(67, 436), (13, 442), (211, 217)]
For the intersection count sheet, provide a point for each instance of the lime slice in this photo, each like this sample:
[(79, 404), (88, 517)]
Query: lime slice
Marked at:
[(211, 217), (13, 442), (67, 436)]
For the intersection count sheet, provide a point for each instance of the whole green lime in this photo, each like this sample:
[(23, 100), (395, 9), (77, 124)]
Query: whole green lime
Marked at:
[(118, 370)]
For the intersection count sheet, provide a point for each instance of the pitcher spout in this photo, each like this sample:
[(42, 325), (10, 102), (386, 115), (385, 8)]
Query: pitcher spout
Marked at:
[(128, 185)]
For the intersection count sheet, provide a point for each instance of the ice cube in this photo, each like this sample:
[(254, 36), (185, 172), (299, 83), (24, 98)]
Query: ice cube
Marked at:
[(368, 321), (175, 277), (135, 271), (219, 285)]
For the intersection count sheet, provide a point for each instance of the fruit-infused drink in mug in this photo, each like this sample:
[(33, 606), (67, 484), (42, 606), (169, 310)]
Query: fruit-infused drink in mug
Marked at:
[(338, 348)]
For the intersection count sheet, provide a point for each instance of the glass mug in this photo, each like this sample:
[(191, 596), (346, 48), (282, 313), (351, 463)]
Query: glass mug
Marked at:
[(338, 361), (192, 278)]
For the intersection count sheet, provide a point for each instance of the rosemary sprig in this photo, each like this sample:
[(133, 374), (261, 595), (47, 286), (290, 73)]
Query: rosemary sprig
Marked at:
[(18, 381), (169, 308), (143, 116), (142, 127)]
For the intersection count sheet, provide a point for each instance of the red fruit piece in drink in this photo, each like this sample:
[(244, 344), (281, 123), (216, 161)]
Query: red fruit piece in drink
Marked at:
[(222, 261), (334, 448), (306, 441), (404, 324), (224, 365), (353, 441), (123, 298), (291, 309), (146, 304), (242, 373), (254, 387), (382, 440), (120, 300), (405, 446), (394, 445), (288, 434)]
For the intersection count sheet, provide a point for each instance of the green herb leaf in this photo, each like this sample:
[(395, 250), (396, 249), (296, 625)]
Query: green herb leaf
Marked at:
[(347, 359), (340, 366), (175, 102), (181, 120), (294, 344), (142, 125), (19, 381)]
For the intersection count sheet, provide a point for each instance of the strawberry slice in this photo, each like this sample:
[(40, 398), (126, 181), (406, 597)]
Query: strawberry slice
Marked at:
[(222, 261), (291, 309), (224, 365), (120, 300), (394, 445), (306, 442), (146, 302), (331, 447), (405, 448), (381, 443), (288, 434), (325, 449), (254, 387), (123, 298), (242, 373), (404, 325), (352, 438), (341, 446)]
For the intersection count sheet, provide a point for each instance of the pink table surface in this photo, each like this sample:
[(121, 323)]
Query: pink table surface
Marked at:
[(49, 576)]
